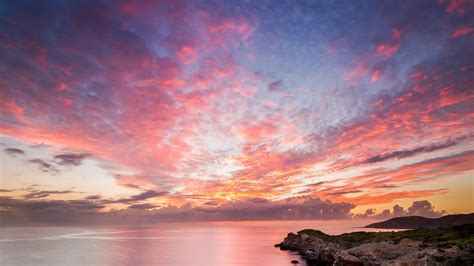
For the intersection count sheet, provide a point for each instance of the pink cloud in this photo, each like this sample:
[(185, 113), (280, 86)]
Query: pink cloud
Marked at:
[(458, 6), (396, 33), (187, 55), (461, 32), (376, 75), (356, 73), (386, 49)]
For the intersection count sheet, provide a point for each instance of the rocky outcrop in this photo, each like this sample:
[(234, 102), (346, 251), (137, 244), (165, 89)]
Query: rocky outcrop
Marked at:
[(408, 252), (318, 248)]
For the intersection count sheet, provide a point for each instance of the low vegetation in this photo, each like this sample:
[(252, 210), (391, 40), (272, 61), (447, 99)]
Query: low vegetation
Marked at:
[(443, 237)]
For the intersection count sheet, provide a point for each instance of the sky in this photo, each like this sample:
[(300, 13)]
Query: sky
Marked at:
[(146, 111)]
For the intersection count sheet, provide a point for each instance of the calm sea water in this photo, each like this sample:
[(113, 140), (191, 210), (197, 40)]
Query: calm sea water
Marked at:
[(206, 243)]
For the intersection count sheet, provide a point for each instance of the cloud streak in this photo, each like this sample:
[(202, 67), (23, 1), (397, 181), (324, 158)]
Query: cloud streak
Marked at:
[(408, 153), (14, 151), (44, 166), (45, 193), (70, 159)]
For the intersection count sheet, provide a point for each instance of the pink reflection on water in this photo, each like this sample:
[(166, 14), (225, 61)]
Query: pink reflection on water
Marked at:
[(199, 244), (218, 243), (203, 243)]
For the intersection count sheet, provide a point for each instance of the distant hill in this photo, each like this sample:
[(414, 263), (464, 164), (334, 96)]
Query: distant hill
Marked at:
[(413, 222)]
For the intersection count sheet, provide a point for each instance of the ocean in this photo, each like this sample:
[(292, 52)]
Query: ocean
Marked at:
[(199, 243)]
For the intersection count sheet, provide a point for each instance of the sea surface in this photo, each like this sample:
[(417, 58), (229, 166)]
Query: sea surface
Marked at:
[(202, 243)]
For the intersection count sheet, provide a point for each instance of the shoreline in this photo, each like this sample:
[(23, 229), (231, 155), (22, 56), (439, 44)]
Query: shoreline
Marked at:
[(425, 246)]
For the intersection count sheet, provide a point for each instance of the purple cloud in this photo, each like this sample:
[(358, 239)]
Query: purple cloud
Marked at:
[(71, 159), (14, 151)]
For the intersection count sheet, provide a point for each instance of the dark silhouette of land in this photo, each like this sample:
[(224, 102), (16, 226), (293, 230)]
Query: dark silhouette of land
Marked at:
[(413, 222)]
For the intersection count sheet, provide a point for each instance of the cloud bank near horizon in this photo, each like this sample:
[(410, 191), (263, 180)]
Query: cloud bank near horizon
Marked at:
[(32, 210)]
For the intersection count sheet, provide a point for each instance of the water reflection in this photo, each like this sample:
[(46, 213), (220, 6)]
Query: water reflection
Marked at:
[(206, 243)]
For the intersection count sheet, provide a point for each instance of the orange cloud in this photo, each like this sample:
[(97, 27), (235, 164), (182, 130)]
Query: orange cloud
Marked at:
[(394, 196), (370, 199), (378, 181)]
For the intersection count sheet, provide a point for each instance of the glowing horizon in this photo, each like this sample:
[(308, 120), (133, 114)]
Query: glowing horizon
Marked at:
[(229, 110)]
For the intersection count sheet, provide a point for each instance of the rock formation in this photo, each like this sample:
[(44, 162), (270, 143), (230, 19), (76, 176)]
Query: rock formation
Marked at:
[(318, 248)]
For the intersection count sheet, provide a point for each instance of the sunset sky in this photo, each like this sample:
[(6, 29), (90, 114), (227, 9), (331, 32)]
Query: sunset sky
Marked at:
[(203, 110)]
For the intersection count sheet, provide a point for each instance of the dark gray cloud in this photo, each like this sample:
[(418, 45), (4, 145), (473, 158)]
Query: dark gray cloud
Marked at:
[(317, 184), (276, 85), (258, 200), (45, 193), (212, 203), (72, 159), (14, 151), (306, 191), (41, 205), (386, 186), (44, 166), (298, 208), (143, 206), (411, 152), (149, 194), (24, 211), (93, 197), (65, 159), (337, 193)]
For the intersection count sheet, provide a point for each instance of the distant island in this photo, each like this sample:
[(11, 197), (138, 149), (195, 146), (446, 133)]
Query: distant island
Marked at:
[(413, 222), (451, 243)]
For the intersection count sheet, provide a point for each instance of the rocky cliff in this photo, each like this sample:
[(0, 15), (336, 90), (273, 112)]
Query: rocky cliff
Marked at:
[(443, 246)]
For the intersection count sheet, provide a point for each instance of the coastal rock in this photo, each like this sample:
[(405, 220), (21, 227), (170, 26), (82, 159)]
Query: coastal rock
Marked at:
[(291, 242), (387, 252), (344, 258), (318, 248), (407, 252)]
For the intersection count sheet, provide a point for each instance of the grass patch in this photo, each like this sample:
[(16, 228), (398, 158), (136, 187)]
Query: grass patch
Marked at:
[(443, 237)]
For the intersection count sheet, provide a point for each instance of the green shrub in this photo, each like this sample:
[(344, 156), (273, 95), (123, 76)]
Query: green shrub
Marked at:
[(443, 237)]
